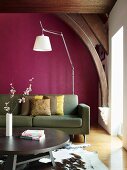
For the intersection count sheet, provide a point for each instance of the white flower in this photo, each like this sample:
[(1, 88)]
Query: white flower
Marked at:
[(7, 103), (22, 99), (12, 91), (7, 109)]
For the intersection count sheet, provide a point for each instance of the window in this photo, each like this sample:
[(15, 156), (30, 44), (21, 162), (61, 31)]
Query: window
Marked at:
[(117, 82)]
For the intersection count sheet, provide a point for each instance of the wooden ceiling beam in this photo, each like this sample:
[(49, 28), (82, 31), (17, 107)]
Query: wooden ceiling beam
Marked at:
[(56, 6), (98, 29), (76, 22), (84, 26)]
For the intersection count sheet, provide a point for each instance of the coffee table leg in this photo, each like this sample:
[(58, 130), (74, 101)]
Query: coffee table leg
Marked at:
[(11, 162), (52, 158)]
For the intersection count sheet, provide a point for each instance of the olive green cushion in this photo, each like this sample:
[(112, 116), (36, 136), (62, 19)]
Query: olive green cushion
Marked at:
[(70, 104), (18, 121), (22, 121), (57, 121)]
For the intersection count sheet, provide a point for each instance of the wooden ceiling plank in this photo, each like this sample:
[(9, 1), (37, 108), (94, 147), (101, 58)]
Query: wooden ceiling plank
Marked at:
[(55, 6)]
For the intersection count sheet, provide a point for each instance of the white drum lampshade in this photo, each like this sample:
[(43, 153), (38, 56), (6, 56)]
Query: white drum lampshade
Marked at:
[(42, 43)]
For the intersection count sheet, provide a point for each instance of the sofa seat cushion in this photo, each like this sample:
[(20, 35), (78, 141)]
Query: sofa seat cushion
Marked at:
[(18, 121), (57, 121), (22, 121)]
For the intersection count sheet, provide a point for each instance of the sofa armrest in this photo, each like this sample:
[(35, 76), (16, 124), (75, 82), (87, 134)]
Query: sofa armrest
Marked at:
[(84, 112)]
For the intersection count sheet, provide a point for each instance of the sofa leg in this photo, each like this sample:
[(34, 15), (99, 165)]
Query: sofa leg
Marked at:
[(71, 138), (84, 138)]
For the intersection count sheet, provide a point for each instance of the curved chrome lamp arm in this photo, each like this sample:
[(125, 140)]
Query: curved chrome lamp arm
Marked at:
[(68, 54)]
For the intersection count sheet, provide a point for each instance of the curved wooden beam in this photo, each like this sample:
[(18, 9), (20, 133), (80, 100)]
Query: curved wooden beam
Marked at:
[(76, 23), (97, 27)]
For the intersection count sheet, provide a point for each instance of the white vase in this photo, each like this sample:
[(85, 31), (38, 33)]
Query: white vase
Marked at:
[(8, 124)]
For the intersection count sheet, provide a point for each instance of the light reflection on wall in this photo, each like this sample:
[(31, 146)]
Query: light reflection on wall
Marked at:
[(117, 81)]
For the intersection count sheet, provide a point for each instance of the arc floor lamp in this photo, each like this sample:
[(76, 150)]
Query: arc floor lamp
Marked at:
[(42, 43)]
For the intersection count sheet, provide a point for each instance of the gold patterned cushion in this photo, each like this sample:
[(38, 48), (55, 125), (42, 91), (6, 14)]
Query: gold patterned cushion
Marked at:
[(56, 104), (40, 107), (25, 108)]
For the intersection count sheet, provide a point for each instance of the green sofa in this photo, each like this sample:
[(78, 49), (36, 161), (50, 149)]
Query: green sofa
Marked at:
[(76, 118)]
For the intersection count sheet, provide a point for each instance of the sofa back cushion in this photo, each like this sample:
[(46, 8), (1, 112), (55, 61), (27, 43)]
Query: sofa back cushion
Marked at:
[(70, 103), (14, 105)]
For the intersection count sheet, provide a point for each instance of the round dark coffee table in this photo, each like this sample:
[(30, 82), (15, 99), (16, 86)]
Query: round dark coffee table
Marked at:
[(20, 151)]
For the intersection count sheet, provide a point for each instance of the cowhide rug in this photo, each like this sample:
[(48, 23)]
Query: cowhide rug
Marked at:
[(76, 159), (72, 157)]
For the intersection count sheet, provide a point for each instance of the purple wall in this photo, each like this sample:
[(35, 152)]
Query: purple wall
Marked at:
[(51, 70)]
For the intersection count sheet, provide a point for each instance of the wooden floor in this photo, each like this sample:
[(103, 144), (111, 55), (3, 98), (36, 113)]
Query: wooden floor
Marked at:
[(109, 149)]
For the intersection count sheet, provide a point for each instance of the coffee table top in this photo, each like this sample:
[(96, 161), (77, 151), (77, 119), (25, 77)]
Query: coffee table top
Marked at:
[(14, 145)]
